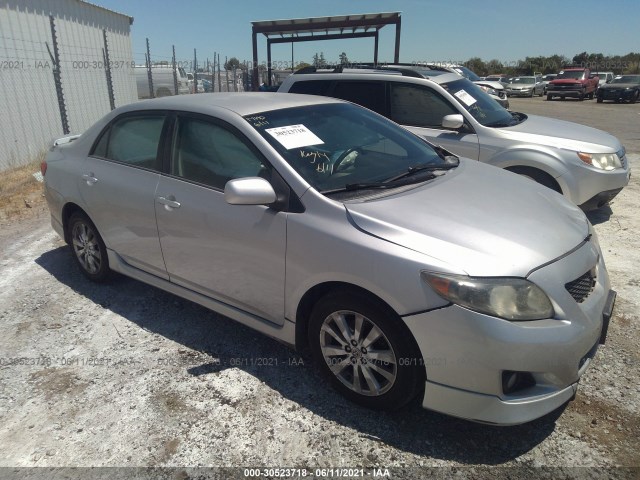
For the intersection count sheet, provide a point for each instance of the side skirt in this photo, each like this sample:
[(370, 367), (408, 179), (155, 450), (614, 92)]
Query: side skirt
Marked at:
[(283, 333)]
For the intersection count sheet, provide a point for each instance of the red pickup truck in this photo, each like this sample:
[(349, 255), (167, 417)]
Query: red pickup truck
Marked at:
[(573, 82)]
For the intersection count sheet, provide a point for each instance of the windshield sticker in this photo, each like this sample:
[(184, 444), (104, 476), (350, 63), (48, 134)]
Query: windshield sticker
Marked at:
[(294, 136), (465, 97)]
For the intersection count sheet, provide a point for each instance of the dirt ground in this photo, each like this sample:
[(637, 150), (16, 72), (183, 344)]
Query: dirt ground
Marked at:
[(125, 375)]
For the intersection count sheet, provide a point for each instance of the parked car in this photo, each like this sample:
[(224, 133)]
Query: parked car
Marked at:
[(495, 89), (404, 270), (546, 79), (623, 88), (525, 87), (163, 81), (604, 77), (200, 85), (503, 79), (573, 82), (587, 165)]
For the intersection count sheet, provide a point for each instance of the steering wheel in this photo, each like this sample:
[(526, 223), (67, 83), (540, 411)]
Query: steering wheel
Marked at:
[(347, 159)]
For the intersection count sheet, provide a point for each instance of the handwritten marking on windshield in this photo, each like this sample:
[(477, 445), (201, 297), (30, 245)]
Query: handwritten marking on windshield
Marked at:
[(314, 156)]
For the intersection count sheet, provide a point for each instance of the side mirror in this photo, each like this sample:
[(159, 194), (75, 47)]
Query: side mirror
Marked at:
[(249, 191), (453, 122)]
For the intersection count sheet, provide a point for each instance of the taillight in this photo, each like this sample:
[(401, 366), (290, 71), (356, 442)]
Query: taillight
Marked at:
[(43, 168)]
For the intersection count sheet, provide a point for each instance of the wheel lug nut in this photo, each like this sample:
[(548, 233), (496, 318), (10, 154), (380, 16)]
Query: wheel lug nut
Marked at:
[(354, 343), (347, 349)]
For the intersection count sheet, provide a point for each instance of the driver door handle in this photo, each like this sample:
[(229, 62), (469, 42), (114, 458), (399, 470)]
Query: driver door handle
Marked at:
[(169, 202)]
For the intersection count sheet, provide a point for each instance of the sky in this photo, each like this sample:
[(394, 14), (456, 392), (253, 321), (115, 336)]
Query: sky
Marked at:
[(436, 31)]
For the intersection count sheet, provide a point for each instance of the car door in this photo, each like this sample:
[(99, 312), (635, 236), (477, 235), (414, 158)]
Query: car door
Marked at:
[(421, 109), (118, 183), (232, 253)]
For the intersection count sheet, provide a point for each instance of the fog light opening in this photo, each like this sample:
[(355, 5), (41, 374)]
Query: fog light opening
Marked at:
[(513, 382)]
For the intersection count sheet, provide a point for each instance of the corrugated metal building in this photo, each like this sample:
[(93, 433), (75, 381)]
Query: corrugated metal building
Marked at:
[(33, 110)]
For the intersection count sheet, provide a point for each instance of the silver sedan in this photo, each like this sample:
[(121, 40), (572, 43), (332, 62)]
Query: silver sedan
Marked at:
[(405, 271)]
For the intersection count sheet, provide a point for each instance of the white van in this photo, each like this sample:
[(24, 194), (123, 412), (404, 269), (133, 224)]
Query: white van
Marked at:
[(162, 76)]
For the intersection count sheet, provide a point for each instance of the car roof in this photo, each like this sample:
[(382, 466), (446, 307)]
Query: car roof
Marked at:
[(242, 103), (439, 79)]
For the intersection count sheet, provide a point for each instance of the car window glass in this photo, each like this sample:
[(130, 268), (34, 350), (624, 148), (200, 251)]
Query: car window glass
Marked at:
[(367, 94), (210, 154), (418, 106), (311, 87), (133, 140)]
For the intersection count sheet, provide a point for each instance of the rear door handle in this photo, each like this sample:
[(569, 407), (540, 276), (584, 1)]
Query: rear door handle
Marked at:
[(169, 202), (89, 178)]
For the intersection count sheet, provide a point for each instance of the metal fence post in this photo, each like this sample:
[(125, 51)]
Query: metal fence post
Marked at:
[(55, 59), (195, 72), (175, 73), (149, 75), (107, 70), (226, 72), (219, 79)]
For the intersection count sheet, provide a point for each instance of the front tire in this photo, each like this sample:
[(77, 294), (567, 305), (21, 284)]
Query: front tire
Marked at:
[(365, 350), (88, 248)]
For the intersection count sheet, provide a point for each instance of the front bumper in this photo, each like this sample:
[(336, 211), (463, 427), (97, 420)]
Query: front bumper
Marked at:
[(584, 184), (577, 93), (465, 353), (615, 94), (519, 93), (600, 200)]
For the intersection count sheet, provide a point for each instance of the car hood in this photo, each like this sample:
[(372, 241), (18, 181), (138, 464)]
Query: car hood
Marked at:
[(479, 219), (608, 86), (562, 134)]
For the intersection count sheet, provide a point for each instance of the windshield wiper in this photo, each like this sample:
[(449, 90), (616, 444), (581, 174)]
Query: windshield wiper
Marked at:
[(379, 185), (422, 168)]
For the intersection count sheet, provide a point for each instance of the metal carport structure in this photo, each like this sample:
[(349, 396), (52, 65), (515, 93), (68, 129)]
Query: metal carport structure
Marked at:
[(323, 28)]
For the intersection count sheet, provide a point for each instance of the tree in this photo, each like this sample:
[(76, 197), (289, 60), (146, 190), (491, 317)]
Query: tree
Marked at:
[(344, 60), (232, 63), (300, 65), (319, 60)]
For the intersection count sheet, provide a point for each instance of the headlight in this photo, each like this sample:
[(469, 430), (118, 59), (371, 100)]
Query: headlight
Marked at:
[(508, 298), (603, 161)]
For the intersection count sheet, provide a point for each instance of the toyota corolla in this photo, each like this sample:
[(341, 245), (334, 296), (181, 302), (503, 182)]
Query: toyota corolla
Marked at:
[(405, 271)]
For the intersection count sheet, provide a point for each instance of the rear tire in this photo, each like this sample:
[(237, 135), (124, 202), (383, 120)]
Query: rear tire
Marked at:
[(88, 249), (549, 97), (599, 100), (365, 350), (634, 99)]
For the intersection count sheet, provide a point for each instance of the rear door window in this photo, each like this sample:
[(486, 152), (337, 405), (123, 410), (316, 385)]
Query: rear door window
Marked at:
[(133, 140), (418, 106), (368, 94)]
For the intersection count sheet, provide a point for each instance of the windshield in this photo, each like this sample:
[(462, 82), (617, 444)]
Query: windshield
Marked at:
[(575, 74), (527, 80), (466, 73), (627, 79), (483, 108), (548, 78), (334, 146)]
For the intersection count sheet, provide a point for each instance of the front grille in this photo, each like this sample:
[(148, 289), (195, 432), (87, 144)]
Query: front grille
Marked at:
[(581, 287)]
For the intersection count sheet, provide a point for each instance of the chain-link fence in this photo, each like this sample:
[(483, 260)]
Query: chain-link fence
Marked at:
[(60, 72)]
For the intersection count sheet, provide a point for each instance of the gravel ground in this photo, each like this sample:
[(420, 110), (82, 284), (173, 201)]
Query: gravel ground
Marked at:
[(127, 375)]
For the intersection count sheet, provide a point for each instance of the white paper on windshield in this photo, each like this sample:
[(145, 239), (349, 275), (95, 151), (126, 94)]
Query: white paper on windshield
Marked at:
[(294, 136), (465, 97)]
